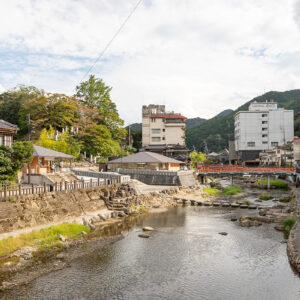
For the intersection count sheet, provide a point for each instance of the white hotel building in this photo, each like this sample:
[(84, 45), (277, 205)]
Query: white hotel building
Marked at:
[(262, 127)]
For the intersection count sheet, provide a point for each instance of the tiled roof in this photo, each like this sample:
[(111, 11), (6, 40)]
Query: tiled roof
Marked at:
[(5, 124), (45, 152), (145, 157)]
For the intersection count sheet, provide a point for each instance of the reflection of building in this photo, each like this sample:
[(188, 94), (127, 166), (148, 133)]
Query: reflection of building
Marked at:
[(7, 131), (264, 126), (163, 132), (46, 160), (145, 161)]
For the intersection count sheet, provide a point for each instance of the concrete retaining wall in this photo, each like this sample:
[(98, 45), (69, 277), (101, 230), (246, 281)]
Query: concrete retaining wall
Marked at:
[(180, 178), (104, 175)]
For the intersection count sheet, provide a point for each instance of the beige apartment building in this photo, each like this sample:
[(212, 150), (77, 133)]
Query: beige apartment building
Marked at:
[(163, 132)]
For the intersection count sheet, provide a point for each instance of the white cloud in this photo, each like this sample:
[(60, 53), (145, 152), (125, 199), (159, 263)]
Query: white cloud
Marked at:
[(196, 57)]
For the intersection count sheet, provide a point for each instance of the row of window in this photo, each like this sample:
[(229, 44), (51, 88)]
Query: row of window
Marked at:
[(6, 140), (252, 144)]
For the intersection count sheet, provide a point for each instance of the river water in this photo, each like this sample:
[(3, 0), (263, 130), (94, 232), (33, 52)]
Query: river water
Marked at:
[(185, 258)]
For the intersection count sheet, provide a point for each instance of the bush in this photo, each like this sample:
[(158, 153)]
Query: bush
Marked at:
[(286, 199), (211, 191), (289, 223), (232, 190), (277, 183), (265, 196)]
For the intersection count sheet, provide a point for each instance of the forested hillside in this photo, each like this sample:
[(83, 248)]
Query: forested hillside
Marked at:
[(217, 131)]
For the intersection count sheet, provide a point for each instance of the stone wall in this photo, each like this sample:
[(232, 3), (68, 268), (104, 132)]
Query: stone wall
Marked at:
[(293, 245), (33, 210)]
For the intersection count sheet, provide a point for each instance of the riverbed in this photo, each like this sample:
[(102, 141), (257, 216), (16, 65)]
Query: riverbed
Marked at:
[(185, 258)]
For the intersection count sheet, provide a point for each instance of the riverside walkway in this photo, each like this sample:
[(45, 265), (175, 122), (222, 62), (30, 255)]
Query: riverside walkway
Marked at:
[(216, 170)]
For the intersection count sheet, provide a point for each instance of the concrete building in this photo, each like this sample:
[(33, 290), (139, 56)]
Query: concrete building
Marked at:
[(7, 131), (264, 126), (296, 149), (145, 161), (163, 132)]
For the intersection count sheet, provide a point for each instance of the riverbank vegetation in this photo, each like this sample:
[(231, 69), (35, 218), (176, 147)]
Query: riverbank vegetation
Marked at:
[(212, 191), (232, 190), (228, 191), (42, 238), (265, 196), (277, 183), (288, 224)]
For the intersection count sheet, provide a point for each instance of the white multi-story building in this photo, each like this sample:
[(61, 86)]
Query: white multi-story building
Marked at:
[(264, 126), (163, 132)]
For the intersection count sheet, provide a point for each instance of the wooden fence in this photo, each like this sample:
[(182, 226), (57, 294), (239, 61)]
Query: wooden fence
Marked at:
[(9, 191)]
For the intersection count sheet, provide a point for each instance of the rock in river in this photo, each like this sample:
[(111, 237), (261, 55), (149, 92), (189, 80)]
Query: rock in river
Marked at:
[(148, 228), (144, 235), (223, 233)]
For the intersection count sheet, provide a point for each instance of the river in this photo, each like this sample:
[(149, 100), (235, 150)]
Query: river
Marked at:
[(185, 258)]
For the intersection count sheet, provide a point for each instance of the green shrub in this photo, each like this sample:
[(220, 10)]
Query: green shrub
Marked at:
[(286, 199), (279, 184), (265, 196), (232, 190), (211, 191), (288, 223)]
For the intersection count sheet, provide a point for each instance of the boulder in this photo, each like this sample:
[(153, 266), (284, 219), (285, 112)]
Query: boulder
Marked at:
[(223, 233), (148, 228), (144, 235), (234, 219)]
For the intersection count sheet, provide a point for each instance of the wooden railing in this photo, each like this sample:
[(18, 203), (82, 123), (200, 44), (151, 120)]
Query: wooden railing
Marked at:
[(7, 192)]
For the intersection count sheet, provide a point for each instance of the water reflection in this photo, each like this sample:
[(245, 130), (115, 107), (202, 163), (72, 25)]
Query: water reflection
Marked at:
[(185, 258)]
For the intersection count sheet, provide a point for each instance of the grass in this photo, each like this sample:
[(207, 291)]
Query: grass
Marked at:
[(279, 184), (232, 190), (41, 238), (212, 191), (265, 196), (288, 224)]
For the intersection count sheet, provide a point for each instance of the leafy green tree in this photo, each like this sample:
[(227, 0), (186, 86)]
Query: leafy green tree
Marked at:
[(94, 93), (196, 158), (13, 159)]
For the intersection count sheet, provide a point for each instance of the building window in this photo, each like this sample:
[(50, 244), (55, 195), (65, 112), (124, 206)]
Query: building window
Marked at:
[(264, 122), (155, 139), (251, 144), (163, 138), (164, 130), (274, 144), (264, 115), (264, 129), (264, 135), (7, 140), (1, 140), (265, 143), (156, 130), (153, 120)]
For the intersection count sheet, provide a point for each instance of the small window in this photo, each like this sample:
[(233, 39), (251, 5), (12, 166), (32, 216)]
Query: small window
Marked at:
[(155, 139), (164, 130), (1, 140), (264, 129), (264, 122), (251, 144), (153, 120), (264, 135), (163, 138), (274, 144), (155, 130), (265, 143), (264, 115)]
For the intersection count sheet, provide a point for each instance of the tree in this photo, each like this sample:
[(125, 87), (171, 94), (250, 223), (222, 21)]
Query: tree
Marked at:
[(64, 142), (12, 160), (196, 158), (94, 93), (56, 110)]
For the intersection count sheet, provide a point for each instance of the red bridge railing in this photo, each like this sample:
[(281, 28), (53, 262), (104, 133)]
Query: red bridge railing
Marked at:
[(240, 169)]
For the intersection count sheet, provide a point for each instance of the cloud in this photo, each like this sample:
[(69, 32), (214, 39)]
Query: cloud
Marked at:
[(196, 57)]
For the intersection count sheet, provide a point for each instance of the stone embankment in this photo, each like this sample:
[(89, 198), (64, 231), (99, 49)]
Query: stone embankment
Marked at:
[(293, 245)]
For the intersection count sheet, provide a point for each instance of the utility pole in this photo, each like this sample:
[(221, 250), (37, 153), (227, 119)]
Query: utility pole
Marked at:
[(29, 138)]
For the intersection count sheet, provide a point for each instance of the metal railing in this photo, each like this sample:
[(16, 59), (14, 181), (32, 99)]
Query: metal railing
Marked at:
[(9, 191)]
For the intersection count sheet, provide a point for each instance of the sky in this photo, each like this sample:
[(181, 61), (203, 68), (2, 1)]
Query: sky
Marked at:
[(197, 57)]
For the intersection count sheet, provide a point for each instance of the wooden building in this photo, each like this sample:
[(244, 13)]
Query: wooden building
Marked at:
[(7, 131)]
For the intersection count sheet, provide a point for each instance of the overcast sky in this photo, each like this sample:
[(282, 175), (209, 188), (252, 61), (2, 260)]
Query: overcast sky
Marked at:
[(197, 57)]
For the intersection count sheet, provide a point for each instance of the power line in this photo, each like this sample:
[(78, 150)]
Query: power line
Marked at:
[(112, 39)]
